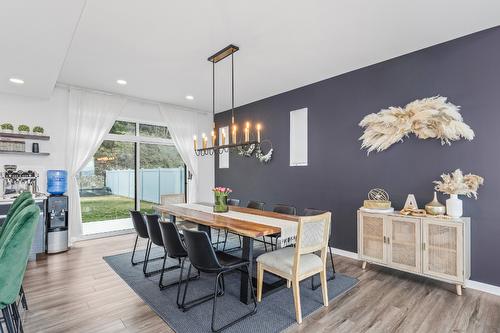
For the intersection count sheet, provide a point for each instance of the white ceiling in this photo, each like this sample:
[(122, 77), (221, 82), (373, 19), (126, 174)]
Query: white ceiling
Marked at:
[(160, 47), (34, 39)]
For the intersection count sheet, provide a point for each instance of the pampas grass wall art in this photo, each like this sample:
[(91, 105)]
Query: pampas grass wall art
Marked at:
[(427, 118)]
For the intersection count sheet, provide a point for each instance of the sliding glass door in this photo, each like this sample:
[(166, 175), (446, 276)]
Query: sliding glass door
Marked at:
[(161, 176), (136, 167), (107, 183)]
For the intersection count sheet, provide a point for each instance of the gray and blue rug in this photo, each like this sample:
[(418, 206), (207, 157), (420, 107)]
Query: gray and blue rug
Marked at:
[(275, 313)]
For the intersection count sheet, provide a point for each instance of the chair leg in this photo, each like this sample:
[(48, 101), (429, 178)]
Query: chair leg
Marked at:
[(214, 305), (18, 323), (218, 235), (331, 259), (185, 306), (180, 282), (296, 300), (313, 287), (225, 240), (216, 294), (24, 301), (185, 290), (288, 284), (260, 281), (133, 251), (146, 257), (265, 245), (9, 322), (160, 283), (324, 286)]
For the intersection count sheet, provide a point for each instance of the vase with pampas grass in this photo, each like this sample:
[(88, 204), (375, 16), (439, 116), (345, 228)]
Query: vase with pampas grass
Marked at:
[(455, 184)]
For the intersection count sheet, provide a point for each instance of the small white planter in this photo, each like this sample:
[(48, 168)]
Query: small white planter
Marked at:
[(7, 131), (454, 207)]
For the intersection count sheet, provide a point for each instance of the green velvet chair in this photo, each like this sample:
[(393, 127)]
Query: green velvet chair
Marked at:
[(20, 200), (15, 247), (23, 200)]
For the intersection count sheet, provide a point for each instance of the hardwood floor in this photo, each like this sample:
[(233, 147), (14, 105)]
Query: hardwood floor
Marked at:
[(77, 292)]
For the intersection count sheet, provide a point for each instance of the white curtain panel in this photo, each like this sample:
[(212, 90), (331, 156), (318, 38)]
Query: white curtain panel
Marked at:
[(182, 125), (91, 116)]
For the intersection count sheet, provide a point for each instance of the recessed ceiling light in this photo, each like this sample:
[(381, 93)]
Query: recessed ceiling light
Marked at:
[(121, 82), (16, 80), (190, 97)]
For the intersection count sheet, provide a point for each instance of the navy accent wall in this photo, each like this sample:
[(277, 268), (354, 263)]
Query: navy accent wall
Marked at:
[(339, 174)]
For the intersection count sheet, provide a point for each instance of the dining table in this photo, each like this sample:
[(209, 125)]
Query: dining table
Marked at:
[(248, 223)]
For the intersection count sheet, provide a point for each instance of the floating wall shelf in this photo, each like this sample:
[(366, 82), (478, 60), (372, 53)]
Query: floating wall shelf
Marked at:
[(24, 153), (24, 136)]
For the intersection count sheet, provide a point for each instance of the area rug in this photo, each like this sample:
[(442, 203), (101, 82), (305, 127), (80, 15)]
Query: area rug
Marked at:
[(275, 313)]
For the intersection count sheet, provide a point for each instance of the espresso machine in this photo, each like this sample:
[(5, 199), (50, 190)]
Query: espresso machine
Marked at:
[(17, 181)]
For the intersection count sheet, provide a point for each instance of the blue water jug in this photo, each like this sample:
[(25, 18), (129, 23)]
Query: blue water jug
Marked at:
[(57, 181)]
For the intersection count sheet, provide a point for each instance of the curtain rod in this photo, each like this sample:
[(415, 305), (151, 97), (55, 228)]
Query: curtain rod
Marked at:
[(132, 98)]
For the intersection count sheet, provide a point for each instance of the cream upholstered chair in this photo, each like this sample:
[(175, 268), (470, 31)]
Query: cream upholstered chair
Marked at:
[(300, 262)]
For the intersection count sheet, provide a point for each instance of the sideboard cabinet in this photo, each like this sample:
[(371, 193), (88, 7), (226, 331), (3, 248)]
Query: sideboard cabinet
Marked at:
[(432, 247)]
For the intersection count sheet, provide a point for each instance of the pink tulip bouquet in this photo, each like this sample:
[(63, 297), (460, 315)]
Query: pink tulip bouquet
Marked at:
[(222, 190), (220, 194)]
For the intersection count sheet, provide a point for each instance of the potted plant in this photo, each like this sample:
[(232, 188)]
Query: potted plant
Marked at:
[(7, 128), (23, 129), (38, 130), (456, 184), (220, 195)]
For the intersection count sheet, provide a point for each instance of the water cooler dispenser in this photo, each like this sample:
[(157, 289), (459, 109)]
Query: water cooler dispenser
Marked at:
[(57, 212)]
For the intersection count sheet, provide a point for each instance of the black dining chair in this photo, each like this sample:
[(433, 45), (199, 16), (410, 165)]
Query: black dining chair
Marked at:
[(153, 226), (260, 206), (141, 231), (256, 204), (281, 209), (174, 248), (233, 202), (285, 209), (203, 257), (311, 212)]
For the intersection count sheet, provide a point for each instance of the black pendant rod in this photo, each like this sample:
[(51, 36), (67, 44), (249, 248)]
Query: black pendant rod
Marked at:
[(232, 88), (213, 94)]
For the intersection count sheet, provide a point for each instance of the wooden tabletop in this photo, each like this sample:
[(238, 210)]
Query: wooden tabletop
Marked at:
[(237, 226)]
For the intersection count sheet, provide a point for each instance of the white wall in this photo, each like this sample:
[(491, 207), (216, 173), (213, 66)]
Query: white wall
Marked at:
[(51, 114)]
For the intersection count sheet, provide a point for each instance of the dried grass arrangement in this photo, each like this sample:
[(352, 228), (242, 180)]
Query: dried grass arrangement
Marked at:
[(426, 118), (457, 183)]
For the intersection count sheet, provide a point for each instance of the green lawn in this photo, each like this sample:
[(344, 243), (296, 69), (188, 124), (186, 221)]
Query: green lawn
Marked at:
[(110, 207)]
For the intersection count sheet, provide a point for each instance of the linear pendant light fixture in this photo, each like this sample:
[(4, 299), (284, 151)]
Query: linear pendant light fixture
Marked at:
[(232, 143)]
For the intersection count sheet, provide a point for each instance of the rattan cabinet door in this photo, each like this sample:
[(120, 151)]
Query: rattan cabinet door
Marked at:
[(404, 243), (372, 237), (443, 250)]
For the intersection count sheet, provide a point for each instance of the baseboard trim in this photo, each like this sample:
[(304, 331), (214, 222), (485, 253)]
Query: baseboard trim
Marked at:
[(487, 288), (345, 253)]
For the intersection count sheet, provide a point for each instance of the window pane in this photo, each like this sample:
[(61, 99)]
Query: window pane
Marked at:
[(123, 128), (107, 183), (162, 176), (154, 131)]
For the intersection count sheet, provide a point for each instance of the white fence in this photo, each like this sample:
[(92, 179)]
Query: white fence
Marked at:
[(153, 183)]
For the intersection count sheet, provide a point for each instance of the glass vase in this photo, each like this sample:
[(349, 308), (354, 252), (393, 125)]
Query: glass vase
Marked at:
[(220, 205)]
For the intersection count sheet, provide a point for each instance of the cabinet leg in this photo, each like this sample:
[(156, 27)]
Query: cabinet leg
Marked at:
[(459, 290), (363, 266)]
